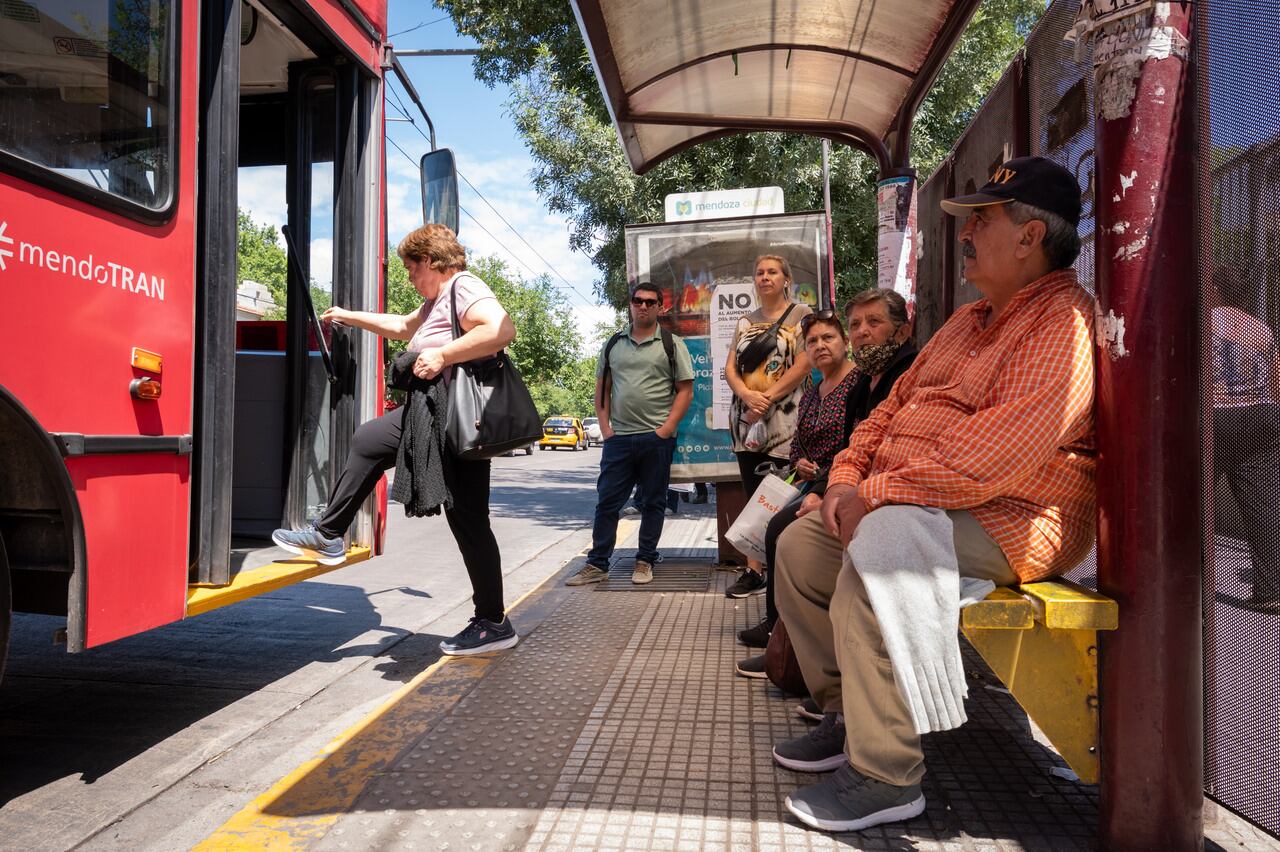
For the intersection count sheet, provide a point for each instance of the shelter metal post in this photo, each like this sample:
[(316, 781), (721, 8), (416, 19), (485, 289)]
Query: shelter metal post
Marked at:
[(1150, 499)]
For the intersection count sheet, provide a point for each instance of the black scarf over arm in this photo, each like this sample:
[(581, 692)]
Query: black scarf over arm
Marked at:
[(419, 485)]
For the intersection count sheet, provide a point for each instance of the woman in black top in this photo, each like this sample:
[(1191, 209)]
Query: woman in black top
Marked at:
[(880, 338)]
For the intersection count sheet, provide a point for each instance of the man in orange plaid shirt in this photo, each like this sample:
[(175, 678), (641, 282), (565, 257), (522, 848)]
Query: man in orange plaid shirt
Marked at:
[(983, 453)]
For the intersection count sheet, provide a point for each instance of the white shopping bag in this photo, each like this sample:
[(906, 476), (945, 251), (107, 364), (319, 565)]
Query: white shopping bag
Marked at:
[(747, 532)]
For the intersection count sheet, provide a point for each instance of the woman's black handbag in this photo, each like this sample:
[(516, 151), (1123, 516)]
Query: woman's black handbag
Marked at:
[(490, 409)]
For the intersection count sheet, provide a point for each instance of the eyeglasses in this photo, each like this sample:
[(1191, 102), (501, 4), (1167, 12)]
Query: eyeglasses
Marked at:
[(824, 315), (647, 303)]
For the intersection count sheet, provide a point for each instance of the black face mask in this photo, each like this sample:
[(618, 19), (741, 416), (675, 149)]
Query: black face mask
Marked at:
[(873, 359)]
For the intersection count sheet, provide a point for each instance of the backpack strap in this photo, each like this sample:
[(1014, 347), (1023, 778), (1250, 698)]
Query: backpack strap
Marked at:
[(669, 345), (606, 370)]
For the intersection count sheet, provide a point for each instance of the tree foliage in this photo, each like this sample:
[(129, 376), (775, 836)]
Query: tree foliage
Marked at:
[(260, 258), (581, 173)]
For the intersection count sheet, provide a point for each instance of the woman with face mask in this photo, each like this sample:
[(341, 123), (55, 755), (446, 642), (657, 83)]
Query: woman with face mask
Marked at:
[(881, 351), (768, 372)]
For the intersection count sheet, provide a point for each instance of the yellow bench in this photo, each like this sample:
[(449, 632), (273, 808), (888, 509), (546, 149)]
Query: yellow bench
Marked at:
[(1041, 640)]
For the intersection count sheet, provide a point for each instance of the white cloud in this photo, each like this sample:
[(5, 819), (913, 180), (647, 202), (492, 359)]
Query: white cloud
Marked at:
[(586, 319), (322, 263), (504, 182), (262, 195)]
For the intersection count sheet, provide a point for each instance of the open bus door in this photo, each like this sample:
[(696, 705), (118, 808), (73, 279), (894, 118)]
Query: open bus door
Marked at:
[(291, 126)]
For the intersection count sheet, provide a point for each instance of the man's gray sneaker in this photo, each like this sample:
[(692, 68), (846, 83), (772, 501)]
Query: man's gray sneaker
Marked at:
[(643, 573), (589, 574), (820, 750), (311, 543), (850, 801)]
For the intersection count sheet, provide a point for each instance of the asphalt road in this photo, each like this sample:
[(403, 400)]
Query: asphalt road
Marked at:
[(152, 741)]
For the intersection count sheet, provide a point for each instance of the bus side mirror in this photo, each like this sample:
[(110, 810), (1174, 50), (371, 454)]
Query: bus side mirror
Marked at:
[(440, 189)]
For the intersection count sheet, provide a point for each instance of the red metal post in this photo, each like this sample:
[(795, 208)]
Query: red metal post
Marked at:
[(1150, 496)]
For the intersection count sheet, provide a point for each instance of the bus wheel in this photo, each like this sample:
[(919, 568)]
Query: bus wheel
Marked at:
[(6, 608)]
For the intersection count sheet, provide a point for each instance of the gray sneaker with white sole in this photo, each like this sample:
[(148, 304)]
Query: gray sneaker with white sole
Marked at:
[(847, 800), (820, 750), (312, 543)]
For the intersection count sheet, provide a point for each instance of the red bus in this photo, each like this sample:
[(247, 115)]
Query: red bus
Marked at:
[(153, 428)]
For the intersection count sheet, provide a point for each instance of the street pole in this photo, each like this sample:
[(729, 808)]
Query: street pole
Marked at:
[(826, 206), (1150, 427)]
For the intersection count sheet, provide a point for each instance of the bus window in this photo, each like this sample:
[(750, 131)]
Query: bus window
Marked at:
[(86, 90)]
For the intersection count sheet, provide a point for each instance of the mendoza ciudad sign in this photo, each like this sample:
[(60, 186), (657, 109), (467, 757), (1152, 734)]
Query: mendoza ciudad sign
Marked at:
[(724, 203)]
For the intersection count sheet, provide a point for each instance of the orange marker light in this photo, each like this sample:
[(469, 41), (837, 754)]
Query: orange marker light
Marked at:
[(144, 388), (151, 362)]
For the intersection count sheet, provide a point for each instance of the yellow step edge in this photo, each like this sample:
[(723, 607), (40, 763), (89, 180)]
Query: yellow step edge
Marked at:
[(1064, 605), (1003, 609), (202, 598)]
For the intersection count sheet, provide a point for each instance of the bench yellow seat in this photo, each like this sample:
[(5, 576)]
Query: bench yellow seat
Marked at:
[(1057, 604), (1041, 640)]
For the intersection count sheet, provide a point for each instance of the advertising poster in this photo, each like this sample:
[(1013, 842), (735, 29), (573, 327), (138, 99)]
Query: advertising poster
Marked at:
[(729, 303), (897, 237), (692, 264)]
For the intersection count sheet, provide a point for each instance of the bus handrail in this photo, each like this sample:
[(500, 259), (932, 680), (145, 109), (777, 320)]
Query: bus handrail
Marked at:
[(305, 285)]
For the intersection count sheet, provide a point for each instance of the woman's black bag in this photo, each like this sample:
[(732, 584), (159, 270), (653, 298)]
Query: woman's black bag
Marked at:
[(761, 346), (490, 410)]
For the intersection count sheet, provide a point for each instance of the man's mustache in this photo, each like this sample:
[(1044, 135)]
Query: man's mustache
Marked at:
[(967, 249)]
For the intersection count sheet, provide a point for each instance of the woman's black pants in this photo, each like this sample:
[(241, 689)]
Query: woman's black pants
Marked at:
[(373, 450)]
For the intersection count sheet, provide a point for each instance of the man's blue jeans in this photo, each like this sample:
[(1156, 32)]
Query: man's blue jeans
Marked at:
[(628, 460)]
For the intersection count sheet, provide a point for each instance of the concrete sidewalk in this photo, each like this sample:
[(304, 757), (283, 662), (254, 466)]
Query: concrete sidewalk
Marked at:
[(618, 723)]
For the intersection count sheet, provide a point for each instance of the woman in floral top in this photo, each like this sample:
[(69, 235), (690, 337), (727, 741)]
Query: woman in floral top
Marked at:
[(851, 387)]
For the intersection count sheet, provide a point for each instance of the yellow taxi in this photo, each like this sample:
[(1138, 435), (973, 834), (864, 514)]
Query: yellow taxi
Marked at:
[(563, 432)]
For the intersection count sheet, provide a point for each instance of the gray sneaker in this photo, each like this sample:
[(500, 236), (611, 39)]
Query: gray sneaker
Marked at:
[(850, 801), (643, 573), (820, 750), (589, 574), (310, 543)]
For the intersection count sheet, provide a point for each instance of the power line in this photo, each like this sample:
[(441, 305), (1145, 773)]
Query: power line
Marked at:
[(481, 226), (558, 274), (521, 236), (419, 26)]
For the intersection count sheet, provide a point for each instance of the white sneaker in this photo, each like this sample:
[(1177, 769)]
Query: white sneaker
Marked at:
[(643, 573)]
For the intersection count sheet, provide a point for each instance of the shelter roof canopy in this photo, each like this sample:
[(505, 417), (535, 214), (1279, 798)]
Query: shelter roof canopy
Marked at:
[(678, 72)]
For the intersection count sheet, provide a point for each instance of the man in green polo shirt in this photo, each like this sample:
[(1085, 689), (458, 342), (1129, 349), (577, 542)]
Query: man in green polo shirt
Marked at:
[(641, 394)]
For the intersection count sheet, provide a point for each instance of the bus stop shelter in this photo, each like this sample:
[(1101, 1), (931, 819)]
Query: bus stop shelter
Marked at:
[(675, 74)]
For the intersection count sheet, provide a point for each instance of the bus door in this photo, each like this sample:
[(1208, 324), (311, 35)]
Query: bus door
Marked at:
[(269, 457)]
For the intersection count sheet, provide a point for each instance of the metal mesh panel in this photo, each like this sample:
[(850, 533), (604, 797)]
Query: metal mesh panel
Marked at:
[(932, 275), (986, 144), (1241, 174)]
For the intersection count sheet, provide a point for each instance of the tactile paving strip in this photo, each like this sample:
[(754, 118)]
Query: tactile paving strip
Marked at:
[(685, 569), (478, 778)]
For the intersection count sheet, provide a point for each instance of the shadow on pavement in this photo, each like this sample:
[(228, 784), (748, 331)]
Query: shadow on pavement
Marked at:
[(88, 714)]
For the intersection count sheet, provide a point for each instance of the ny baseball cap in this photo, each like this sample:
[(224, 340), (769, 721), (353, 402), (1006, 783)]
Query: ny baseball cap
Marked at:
[(1032, 180)]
